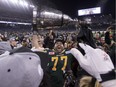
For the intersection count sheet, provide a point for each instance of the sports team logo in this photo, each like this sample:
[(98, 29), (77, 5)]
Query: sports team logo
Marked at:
[(51, 53)]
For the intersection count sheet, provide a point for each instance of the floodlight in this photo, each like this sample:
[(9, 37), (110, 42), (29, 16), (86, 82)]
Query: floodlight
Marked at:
[(32, 6), (66, 17), (13, 1), (25, 3)]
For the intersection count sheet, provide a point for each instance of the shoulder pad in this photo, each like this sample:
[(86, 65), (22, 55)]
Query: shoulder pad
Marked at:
[(20, 50)]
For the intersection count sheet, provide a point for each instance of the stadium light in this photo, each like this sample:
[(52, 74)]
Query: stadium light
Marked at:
[(13, 1), (18, 2), (35, 12), (23, 3), (32, 6), (66, 17)]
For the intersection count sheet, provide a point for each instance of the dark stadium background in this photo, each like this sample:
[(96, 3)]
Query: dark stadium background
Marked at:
[(15, 13), (70, 7)]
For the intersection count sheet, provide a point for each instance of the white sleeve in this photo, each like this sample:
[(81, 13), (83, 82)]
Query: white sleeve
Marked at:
[(85, 63), (80, 58), (99, 61), (38, 49)]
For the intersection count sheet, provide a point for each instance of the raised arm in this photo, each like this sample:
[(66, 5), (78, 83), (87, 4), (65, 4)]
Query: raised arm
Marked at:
[(35, 38)]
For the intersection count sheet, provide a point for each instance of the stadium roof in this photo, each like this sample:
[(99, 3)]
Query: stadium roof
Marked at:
[(70, 7), (19, 9)]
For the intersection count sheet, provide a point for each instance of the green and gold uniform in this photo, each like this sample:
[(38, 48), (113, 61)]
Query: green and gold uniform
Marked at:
[(58, 62)]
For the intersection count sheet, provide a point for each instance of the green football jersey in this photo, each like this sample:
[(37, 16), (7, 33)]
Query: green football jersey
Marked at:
[(58, 62)]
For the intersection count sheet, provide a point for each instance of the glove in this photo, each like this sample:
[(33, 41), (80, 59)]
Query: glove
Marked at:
[(69, 79), (95, 61)]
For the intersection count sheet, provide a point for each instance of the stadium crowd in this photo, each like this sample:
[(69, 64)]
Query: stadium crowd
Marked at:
[(57, 43), (47, 39), (103, 39)]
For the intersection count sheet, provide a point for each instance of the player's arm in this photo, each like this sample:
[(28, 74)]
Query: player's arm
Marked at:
[(35, 38)]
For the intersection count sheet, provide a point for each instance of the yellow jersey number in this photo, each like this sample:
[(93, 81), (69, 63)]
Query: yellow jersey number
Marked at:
[(55, 59)]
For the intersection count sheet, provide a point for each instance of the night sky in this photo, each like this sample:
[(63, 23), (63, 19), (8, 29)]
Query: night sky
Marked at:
[(70, 7)]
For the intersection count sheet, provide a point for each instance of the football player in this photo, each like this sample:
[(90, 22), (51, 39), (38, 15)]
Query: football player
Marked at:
[(59, 62)]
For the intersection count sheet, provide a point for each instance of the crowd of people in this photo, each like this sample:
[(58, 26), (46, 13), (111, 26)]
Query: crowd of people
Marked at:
[(61, 69), (104, 39)]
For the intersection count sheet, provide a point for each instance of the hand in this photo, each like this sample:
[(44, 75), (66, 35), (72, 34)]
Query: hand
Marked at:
[(69, 79), (109, 29), (95, 61)]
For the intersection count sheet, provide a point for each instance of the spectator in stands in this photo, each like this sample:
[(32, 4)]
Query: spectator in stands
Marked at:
[(111, 43), (3, 38), (69, 37), (97, 39), (102, 41), (69, 45), (52, 33), (13, 42), (113, 52), (107, 35), (4, 46), (49, 41)]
